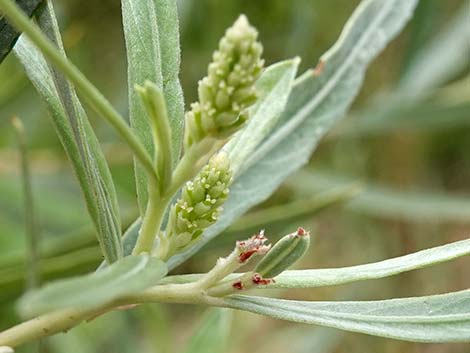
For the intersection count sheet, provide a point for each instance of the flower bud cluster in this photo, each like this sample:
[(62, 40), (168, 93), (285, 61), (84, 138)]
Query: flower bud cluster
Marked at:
[(228, 89), (200, 203)]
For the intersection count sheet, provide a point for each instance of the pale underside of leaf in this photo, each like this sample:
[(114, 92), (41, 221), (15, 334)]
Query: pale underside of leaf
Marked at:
[(386, 268), (335, 276), (438, 318), (130, 275), (274, 87)]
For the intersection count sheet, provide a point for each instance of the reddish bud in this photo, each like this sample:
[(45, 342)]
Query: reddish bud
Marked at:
[(259, 280), (254, 245), (238, 285)]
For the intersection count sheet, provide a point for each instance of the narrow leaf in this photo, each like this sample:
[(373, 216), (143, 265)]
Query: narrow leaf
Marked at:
[(324, 94), (335, 276), (438, 318), (319, 99), (274, 87), (386, 268), (76, 135), (130, 275), (153, 53)]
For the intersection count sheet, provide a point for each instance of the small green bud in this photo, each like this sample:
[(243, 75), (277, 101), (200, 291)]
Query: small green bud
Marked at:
[(284, 254), (200, 203), (155, 106), (228, 89)]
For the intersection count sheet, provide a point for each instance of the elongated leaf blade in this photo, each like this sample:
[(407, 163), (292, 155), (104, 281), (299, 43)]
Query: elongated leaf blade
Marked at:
[(213, 334), (153, 53), (318, 100), (168, 30), (130, 275), (274, 87), (386, 268), (376, 270), (76, 135), (438, 318)]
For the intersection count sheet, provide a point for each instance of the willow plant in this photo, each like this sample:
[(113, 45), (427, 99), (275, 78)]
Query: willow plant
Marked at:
[(196, 172)]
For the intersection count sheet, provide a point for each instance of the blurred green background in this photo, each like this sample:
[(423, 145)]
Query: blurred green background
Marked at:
[(406, 140)]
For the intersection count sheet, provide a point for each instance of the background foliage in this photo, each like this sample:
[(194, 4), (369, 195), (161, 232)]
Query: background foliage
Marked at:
[(406, 141)]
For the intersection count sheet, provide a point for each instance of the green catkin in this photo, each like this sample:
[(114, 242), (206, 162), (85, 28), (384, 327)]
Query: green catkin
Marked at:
[(228, 89), (199, 205)]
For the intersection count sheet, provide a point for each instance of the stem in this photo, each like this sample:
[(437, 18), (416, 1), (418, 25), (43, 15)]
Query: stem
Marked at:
[(186, 293), (191, 163), (223, 268), (89, 92), (63, 320), (151, 222), (226, 287), (155, 105), (43, 326)]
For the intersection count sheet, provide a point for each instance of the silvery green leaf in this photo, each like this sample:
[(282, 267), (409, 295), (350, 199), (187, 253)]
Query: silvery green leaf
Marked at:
[(318, 100), (274, 87), (334, 276), (213, 334), (77, 137), (127, 276), (386, 268), (153, 53), (438, 318)]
